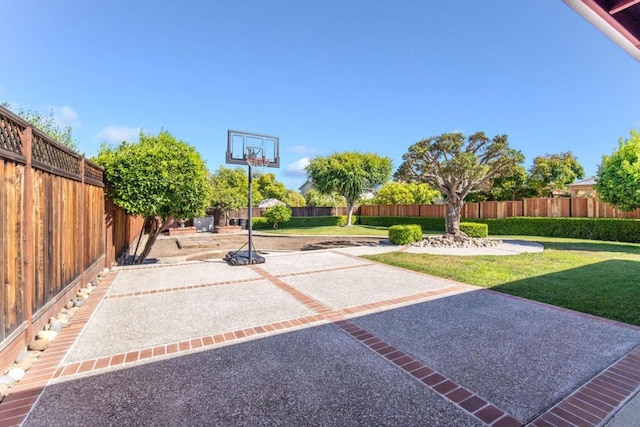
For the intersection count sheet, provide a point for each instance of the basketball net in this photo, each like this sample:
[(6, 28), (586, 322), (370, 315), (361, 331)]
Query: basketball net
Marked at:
[(256, 161)]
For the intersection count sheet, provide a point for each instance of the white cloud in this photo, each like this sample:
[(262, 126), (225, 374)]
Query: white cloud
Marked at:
[(302, 149), (116, 134), (296, 169), (65, 116)]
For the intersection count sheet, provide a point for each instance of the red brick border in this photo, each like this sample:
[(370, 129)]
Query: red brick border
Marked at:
[(600, 398)]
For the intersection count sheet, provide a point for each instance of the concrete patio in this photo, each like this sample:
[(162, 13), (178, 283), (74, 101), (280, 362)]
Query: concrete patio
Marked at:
[(323, 338)]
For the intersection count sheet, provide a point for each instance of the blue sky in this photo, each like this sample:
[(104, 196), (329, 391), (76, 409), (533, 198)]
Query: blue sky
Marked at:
[(323, 76)]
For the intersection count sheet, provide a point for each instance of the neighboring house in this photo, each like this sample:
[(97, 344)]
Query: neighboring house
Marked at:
[(304, 188), (583, 188), (268, 203)]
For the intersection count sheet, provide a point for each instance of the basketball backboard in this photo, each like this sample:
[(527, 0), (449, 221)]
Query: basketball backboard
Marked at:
[(243, 145)]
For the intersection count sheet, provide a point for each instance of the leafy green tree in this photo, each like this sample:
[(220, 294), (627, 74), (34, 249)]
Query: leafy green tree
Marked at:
[(552, 172), (278, 214), (618, 180), (294, 199), (512, 185), (269, 187), (230, 191), (349, 174), (158, 177), (456, 165), (316, 199), (405, 193), (48, 125)]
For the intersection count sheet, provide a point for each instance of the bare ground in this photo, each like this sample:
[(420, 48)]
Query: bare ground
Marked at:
[(200, 246)]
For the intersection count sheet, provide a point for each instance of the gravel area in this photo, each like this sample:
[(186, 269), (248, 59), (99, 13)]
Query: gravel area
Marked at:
[(303, 262), (316, 376), (521, 357), (126, 324), (357, 286), (137, 279)]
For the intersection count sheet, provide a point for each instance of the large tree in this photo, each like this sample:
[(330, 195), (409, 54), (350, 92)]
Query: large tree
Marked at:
[(349, 174), (405, 193), (314, 198), (294, 199), (511, 185), (158, 177), (618, 180), (456, 165), (230, 191), (269, 187), (551, 173)]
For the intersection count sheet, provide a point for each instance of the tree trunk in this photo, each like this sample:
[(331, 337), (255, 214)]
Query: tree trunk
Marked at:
[(349, 214), (159, 227), (452, 219)]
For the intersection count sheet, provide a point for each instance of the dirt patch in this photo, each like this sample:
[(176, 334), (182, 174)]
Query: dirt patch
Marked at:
[(201, 246)]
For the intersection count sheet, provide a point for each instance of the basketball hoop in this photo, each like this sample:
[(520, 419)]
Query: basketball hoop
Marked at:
[(256, 160)]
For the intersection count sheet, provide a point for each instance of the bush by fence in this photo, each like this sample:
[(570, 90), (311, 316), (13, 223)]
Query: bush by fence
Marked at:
[(427, 224), (261, 223)]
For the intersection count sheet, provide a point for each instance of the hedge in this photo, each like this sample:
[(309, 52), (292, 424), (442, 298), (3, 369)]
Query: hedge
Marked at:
[(608, 229), (405, 234), (429, 224), (473, 229), (261, 223)]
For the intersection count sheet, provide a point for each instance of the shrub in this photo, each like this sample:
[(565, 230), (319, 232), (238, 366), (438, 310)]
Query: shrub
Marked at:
[(405, 234), (278, 214), (473, 229)]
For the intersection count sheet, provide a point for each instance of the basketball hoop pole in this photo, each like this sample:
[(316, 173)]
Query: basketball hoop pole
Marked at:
[(250, 213)]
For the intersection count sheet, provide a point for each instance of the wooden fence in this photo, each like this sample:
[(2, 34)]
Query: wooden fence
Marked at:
[(574, 207), (302, 211), (55, 229)]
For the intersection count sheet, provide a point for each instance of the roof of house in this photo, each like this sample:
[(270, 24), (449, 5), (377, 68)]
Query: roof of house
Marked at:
[(588, 181), (617, 19)]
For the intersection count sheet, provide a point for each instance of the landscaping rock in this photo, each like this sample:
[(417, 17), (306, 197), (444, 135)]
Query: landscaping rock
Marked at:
[(46, 335), (456, 242), (56, 326), (39, 345), (78, 302), (7, 381), (4, 391), (69, 304), (22, 356), (25, 364), (16, 373)]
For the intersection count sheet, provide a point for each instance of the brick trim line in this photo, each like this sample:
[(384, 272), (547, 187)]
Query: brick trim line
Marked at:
[(180, 288), (346, 312), (180, 347), (15, 408), (600, 398), (461, 397), (464, 399)]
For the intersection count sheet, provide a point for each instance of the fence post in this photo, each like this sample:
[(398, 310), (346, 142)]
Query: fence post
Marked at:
[(27, 237), (83, 211)]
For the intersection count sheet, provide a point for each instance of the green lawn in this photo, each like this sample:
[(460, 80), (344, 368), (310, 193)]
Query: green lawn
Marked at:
[(600, 278), (354, 230)]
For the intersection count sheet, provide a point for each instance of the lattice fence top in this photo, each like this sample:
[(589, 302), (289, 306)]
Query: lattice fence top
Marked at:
[(10, 134), (50, 154), (93, 174)]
